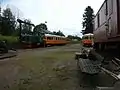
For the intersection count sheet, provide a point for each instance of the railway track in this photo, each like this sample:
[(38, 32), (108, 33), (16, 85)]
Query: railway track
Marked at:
[(92, 62), (111, 60)]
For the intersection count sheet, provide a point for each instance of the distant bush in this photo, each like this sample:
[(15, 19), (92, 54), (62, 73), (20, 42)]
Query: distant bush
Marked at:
[(9, 39)]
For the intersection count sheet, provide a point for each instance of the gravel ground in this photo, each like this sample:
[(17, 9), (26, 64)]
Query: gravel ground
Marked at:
[(51, 68)]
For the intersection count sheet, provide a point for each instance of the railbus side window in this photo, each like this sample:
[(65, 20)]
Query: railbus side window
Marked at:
[(49, 38), (91, 37), (54, 38), (86, 37)]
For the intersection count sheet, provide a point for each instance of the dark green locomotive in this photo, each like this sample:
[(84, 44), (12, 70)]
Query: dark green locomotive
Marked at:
[(29, 41), (35, 39)]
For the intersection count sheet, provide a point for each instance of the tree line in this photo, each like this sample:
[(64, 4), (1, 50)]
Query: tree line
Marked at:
[(9, 25), (74, 37)]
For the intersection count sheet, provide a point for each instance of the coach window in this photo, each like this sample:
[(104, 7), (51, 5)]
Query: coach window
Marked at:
[(106, 10), (98, 19), (111, 7)]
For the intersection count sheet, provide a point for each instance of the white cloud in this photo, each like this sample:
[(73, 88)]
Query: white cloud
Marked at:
[(64, 15)]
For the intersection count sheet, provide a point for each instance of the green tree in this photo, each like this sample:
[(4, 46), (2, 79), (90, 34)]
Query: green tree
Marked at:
[(88, 20), (58, 33), (41, 27), (25, 27), (74, 37), (17, 30), (54, 32), (8, 22), (70, 37)]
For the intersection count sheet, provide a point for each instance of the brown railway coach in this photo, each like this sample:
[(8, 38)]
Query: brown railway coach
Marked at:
[(107, 24)]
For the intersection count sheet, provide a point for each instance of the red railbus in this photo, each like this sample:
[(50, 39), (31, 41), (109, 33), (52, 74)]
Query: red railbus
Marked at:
[(87, 39)]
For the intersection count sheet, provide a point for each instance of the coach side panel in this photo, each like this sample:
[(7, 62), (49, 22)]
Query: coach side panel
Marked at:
[(105, 22)]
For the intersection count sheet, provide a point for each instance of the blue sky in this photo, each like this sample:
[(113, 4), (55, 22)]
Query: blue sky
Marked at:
[(3, 1), (64, 15)]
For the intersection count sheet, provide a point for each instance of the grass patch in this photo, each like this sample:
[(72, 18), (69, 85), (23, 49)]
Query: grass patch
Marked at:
[(10, 39)]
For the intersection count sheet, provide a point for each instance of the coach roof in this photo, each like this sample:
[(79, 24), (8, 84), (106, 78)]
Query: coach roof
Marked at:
[(50, 35)]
